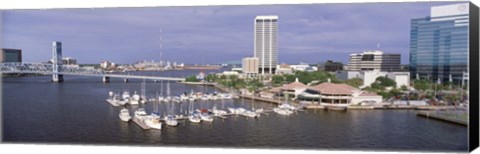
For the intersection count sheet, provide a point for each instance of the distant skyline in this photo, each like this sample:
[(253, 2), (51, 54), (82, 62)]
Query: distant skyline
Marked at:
[(310, 33)]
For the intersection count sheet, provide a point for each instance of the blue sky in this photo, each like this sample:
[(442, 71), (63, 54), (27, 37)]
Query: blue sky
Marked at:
[(309, 33)]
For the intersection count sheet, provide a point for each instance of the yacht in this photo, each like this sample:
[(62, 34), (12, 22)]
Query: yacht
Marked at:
[(140, 114), (126, 95), (206, 117), (282, 111), (153, 121), (113, 99), (232, 110), (251, 114), (125, 115), (170, 120), (218, 112), (194, 117), (135, 98)]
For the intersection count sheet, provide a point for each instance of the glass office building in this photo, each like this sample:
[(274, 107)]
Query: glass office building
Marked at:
[(439, 44), (10, 55)]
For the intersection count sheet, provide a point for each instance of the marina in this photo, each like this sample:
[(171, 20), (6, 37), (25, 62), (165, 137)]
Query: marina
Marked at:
[(91, 114)]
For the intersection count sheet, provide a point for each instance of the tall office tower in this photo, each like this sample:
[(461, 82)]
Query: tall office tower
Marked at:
[(439, 44), (265, 43)]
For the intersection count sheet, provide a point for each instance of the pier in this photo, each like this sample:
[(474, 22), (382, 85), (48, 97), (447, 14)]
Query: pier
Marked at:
[(261, 99), (443, 117)]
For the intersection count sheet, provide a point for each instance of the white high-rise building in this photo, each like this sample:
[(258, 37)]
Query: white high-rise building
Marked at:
[(265, 43)]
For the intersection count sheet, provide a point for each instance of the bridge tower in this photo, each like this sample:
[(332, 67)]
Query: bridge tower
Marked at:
[(56, 61)]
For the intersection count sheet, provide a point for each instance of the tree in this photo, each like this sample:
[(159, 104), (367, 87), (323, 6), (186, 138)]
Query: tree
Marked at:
[(191, 79), (278, 80), (403, 88), (421, 85), (386, 82), (354, 82)]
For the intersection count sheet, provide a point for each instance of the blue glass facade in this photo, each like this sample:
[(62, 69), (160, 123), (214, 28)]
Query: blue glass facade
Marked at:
[(439, 48)]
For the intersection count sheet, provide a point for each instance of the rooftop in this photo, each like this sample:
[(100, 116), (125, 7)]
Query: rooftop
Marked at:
[(333, 88)]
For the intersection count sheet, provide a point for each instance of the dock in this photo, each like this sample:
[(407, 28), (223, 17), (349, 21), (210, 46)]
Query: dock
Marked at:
[(261, 99), (140, 124), (441, 117)]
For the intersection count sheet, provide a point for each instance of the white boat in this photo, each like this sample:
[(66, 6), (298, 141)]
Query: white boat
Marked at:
[(259, 110), (183, 97), (282, 111), (287, 106), (218, 112), (240, 110), (135, 98), (206, 117), (153, 121), (113, 100), (170, 120), (140, 114), (251, 114), (194, 119), (227, 96), (125, 115), (126, 95), (232, 110), (191, 98)]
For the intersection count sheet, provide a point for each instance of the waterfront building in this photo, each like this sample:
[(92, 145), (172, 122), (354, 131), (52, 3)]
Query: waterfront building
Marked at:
[(69, 61), (10, 55), (374, 60), (439, 44), (106, 64), (292, 89), (369, 77), (401, 78), (330, 66), (332, 94), (265, 43), (300, 67), (283, 69), (250, 66)]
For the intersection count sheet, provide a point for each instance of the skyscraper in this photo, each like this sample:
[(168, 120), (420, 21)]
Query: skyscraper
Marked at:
[(265, 43), (439, 44)]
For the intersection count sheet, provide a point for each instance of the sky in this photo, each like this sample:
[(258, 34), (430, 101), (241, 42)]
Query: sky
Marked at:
[(311, 33)]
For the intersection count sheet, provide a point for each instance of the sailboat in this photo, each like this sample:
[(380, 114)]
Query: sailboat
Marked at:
[(194, 116), (285, 108), (170, 119), (143, 97)]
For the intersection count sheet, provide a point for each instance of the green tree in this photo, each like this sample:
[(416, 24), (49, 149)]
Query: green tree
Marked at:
[(354, 82), (403, 88), (421, 84), (386, 82), (278, 80), (191, 79)]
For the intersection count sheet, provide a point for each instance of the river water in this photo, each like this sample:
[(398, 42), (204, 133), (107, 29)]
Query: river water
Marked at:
[(35, 110)]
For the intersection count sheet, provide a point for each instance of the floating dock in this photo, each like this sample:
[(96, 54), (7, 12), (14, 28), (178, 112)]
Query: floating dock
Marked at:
[(434, 115), (140, 124), (261, 99)]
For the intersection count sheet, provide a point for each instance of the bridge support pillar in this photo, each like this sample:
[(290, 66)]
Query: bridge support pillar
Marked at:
[(57, 77), (106, 79), (125, 80)]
